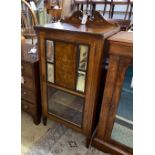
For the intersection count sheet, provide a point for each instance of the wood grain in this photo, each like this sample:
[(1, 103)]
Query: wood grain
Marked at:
[(67, 35), (65, 64), (120, 52), (30, 90)]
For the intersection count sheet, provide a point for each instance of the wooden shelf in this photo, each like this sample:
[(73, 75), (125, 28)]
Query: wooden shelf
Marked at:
[(66, 90)]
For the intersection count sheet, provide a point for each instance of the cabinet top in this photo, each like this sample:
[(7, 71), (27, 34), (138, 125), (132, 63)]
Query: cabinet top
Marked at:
[(121, 44), (125, 37), (26, 56), (94, 26)]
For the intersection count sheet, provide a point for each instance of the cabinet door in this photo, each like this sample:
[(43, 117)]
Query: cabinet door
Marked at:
[(122, 130), (66, 67), (119, 125)]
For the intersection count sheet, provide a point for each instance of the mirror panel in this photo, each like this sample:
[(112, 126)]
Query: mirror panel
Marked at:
[(83, 56), (81, 78), (50, 72), (50, 51)]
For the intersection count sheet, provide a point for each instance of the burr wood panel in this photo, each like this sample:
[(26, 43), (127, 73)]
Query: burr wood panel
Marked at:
[(65, 64)]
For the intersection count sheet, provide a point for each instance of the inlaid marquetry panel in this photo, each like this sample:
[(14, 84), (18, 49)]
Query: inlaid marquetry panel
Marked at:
[(65, 64)]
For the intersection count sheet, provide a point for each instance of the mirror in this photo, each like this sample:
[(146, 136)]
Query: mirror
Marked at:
[(81, 81), (83, 56), (50, 51), (50, 72)]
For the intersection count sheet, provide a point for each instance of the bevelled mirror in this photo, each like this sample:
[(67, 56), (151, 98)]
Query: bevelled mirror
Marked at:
[(50, 72), (50, 51)]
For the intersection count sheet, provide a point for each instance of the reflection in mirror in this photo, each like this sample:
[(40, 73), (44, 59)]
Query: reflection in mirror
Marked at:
[(81, 81), (50, 72), (50, 50), (83, 57), (123, 126)]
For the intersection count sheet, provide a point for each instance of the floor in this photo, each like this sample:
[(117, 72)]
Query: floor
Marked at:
[(31, 133), (52, 139)]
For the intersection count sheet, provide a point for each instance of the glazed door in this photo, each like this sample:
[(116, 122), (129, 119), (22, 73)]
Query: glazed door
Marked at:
[(119, 129), (66, 72), (122, 130)]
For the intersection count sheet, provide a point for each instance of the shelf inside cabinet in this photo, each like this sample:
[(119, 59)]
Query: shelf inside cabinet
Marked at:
[(66, 90)]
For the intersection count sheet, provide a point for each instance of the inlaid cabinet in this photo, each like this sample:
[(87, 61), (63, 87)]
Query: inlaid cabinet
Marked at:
[(70, 56)]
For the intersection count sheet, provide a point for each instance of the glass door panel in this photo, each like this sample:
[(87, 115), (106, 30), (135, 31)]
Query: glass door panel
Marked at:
[(65, 105), (66, 68), (123, 125)]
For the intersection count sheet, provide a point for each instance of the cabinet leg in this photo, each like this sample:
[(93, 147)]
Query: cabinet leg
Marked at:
[(44, 120), (36, 120), (88, 141)]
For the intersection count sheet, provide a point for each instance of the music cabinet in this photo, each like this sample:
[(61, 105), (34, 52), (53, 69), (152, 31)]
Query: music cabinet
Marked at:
[(70, 64), (114, 133)]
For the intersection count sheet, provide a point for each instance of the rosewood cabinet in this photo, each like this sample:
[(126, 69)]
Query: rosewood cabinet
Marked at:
[(70, 63), (30, 83), (114, 133)]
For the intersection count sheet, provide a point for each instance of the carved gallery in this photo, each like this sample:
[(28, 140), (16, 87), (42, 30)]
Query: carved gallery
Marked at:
[(76, 77)]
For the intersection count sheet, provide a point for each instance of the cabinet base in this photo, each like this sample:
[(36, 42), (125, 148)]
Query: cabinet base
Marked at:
[(108, 148)]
